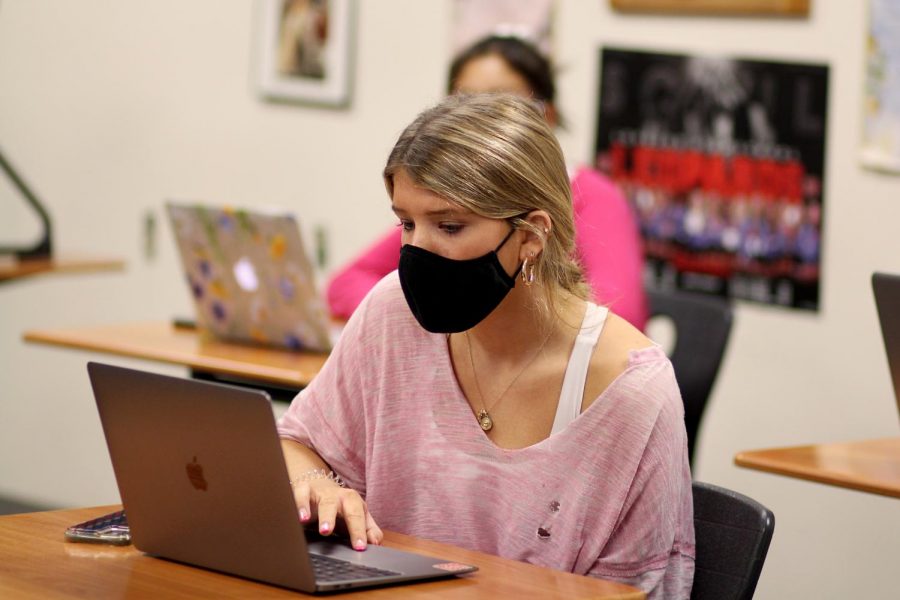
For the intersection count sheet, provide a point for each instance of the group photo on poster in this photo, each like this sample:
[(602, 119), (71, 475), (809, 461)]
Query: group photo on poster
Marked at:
[(722, 161)]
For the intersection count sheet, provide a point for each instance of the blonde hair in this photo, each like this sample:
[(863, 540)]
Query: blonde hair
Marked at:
[(495, 154)]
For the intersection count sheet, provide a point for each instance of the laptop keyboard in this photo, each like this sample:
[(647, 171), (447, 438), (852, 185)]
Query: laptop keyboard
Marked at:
[(330, 569)]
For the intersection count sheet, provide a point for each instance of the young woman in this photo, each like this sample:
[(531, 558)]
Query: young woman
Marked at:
[(476, 396), (606, 233)]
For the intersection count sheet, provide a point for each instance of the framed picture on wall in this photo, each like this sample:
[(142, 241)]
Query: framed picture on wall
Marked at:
[(732, 7), (306, 49), (531, 20), (881, 101)]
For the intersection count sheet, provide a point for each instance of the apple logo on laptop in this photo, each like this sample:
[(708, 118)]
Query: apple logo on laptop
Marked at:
[(245, 275), (195, 474)]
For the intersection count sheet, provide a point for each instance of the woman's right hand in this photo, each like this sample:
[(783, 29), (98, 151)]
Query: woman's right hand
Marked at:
[(325, 500)]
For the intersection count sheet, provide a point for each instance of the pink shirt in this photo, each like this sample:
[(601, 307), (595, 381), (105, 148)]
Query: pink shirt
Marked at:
[(606, 240), (609, 495)]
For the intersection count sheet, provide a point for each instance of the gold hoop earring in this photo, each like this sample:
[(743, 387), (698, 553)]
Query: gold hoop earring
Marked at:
[(528, 271)]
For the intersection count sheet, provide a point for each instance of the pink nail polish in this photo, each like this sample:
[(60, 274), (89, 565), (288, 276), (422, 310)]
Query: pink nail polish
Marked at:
[(324, 527), (359, 545), (304, 516)]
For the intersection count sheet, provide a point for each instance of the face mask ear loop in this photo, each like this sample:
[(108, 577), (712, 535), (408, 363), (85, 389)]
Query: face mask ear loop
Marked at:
[(506, 239)]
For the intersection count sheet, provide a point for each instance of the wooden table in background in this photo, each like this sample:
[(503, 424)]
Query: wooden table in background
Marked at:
[(36, 562), (17, 269), (869, 466), (163, 342)]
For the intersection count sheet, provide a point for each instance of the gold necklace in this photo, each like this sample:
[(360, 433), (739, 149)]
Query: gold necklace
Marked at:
[(484, 417)]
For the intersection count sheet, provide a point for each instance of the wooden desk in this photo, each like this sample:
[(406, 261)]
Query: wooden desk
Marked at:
[(36, 562), (16, 269), (869, 466), (188, 347)]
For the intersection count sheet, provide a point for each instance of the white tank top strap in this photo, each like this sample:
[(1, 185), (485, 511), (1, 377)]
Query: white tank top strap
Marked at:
[(570, 398)]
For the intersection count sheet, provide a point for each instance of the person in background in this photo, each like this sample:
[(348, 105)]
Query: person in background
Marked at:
[(477, 396), (607, 240)]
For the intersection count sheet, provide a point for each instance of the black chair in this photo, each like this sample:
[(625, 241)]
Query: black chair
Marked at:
[(732, 535), (702, 325)]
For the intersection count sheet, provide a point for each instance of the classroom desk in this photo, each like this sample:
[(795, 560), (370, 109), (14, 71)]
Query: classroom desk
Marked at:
[(869, 465), (36, 562), (163, 342), (11, 268)]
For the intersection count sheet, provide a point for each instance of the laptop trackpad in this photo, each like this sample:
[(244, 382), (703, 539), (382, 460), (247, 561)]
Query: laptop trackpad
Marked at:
[(379, 557)]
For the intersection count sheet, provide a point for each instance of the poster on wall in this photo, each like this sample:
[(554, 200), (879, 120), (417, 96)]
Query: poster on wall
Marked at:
[(531, 20), (722, 160), (881, 130)]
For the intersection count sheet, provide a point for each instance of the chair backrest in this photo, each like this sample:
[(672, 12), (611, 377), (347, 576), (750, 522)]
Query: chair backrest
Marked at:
[(702, 325), (732, 535)]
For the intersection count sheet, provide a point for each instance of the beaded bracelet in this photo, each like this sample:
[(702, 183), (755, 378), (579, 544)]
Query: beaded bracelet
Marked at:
[(318, 474)]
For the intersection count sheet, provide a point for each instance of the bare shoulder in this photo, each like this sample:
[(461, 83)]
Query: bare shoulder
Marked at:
[(611, 355)]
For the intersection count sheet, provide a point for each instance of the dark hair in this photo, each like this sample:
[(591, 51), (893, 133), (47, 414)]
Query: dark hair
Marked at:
[(521, 56)]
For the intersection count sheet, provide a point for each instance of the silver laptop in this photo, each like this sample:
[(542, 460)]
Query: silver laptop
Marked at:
[(887, 301), (203, 481), (249, 276)]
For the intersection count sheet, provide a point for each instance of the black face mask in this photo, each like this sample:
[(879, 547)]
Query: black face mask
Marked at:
[(450, 296)]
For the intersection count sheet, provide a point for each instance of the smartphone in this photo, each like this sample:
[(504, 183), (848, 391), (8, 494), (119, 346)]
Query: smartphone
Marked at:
[(108, 529)]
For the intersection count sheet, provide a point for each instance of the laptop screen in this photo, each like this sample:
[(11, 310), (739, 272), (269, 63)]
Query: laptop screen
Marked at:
[(887, 300), (249, 276)]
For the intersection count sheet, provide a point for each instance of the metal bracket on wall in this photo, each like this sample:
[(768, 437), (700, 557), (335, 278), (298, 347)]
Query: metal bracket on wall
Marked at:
[(44, 247)]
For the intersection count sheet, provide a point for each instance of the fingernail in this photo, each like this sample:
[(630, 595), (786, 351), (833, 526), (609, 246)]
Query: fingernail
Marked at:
[(359, 545), (304, 516), (324, 527)]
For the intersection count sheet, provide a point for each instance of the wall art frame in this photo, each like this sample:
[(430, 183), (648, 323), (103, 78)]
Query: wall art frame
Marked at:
[(788, 8), (306, 51)]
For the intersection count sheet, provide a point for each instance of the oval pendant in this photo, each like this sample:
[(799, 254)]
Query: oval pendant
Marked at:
[(485, 421)]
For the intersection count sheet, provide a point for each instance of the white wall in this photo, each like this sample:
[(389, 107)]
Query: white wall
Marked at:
[(110, 106)]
